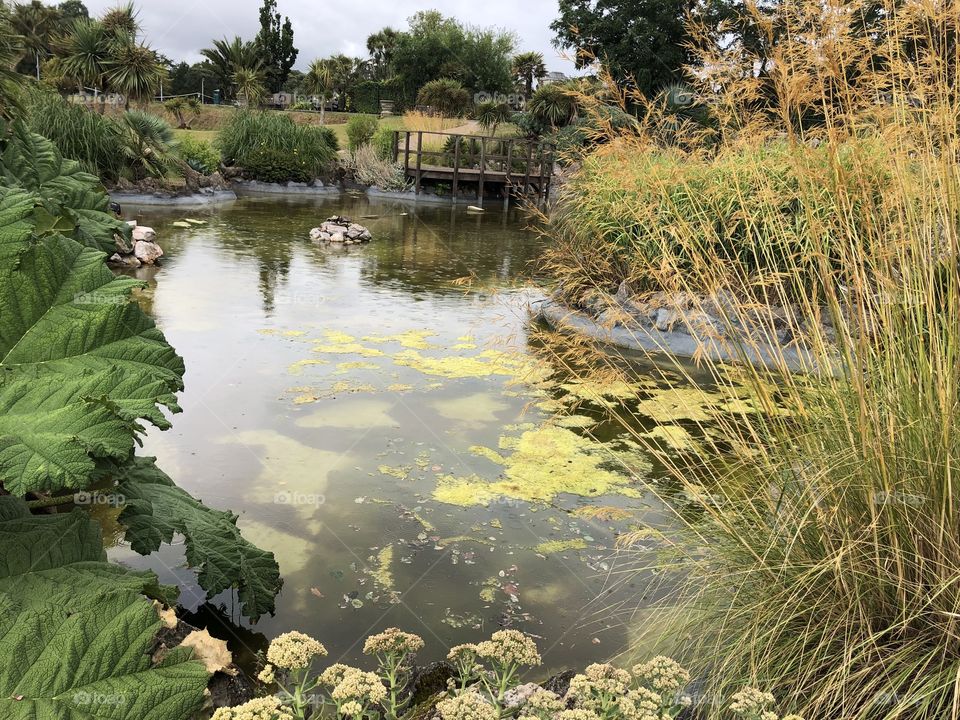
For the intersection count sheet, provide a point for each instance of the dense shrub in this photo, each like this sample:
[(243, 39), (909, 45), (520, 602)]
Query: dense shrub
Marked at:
[(383, 143), (199, 155), (365, 96), (269, 143), (272, 165), (370, 169), (360, 130)]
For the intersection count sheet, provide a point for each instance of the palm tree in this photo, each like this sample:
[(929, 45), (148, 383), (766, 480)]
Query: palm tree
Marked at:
[(250, 86), (320, 81), (527, 68), (229, 56), (36, 23), (491, 114), (147, 142), (182, 106), (121, 20), (133, 69), (381, 45), (84, 52)]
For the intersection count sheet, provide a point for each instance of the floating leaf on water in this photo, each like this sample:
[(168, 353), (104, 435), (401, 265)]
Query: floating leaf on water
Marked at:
[(357, 603), (181, 224)]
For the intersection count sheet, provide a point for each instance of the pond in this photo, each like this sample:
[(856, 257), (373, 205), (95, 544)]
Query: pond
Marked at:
[(382, 419)]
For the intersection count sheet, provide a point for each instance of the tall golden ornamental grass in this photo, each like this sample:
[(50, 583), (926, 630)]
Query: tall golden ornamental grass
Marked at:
[(825, 562)]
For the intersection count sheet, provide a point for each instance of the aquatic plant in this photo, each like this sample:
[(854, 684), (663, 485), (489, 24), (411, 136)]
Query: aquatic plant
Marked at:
[(821, 562)]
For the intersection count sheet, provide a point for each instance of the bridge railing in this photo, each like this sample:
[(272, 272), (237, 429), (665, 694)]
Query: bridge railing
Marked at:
[(524, 166)]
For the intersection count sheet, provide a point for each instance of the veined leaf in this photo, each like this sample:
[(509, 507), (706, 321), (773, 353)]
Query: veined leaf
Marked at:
[(155, 508), (76, 631), (16, 211), (79, 365)]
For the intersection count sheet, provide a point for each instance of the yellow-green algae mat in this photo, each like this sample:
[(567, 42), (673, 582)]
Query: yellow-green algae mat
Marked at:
[(545, 459)]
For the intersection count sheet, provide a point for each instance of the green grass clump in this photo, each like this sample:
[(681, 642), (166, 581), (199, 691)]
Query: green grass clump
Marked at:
[(259, 141)]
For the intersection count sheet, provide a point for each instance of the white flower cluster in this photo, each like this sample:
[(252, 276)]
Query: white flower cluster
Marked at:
[(364, 687), (333, 675), (393, 641), (753, 704), (265, 708), (468, 706), (294, 650), (351, 709), (267, 675), (662, 675), (510, 647), (599, 679), (466, 653)]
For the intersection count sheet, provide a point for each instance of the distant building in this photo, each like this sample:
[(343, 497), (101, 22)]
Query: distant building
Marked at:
[(554, 77)]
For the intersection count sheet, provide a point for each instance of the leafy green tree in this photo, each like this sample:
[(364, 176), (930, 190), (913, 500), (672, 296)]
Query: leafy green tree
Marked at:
[(640, 41), (228, 56), (528, 68), (381, 45), (36, 24), (553, 105), (182, 108), (73, 10), (275, 41)]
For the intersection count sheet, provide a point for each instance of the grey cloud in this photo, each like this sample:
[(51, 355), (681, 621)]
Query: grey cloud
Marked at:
[(180, 28)]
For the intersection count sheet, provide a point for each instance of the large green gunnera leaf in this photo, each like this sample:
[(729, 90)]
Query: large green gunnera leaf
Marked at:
[(79, 365), (33, 163), (76, 633), (155, 508)]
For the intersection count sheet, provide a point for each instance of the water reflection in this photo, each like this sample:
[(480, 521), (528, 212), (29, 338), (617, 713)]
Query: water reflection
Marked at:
[(332, 391)]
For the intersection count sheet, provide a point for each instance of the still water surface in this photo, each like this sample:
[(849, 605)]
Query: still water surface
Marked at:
[(331, 393)]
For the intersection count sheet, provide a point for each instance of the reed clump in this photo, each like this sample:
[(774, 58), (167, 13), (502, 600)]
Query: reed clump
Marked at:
[(824, 559)]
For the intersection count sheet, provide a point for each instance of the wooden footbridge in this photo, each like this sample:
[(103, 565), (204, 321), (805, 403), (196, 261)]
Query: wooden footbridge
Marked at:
[(486, 165)]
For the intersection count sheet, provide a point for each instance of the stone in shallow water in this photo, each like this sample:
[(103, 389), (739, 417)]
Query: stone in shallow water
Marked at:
[(147, 252)]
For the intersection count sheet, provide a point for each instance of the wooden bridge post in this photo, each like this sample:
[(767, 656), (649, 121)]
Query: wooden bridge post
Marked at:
[(543, 173), (396, 146), (456, 167), (483, 167), (419, 157), (406, 154), (526, 177), (509, 174)]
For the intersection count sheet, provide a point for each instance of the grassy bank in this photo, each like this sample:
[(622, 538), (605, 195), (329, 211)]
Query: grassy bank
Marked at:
[(820, 556)]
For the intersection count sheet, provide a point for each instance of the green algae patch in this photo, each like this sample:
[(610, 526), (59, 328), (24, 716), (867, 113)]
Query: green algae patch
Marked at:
[(543, 464), (297, 368), (400, 473), (351, 348), (672, 436), (679, 403), (489, 454), (345, 367), (382, 572), (552, 547), (485, 364), (574, 421), (411, 339)]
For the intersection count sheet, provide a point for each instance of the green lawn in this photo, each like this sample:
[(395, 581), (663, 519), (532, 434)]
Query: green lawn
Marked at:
[(207, 135)]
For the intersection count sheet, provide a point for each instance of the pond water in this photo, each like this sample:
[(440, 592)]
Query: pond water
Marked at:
[(389, 430)]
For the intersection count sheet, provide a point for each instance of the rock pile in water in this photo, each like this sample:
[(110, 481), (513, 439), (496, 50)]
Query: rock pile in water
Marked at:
[(339, 229), (142, 250)]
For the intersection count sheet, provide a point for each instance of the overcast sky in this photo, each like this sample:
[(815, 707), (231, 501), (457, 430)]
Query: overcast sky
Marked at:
[(180, 28)]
